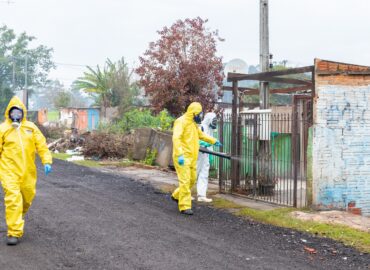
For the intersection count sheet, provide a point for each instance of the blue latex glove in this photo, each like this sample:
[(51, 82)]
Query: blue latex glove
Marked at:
[(181, 160), (218, 143), (47, 169), (204, 144)]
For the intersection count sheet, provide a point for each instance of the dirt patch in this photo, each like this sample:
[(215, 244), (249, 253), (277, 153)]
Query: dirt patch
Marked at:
[(336, 217)]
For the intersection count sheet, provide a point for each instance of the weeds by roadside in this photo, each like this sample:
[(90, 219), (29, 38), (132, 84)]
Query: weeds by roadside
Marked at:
[(282, 218)]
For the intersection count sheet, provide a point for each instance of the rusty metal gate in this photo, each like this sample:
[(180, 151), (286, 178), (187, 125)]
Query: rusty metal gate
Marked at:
[(271, 154)]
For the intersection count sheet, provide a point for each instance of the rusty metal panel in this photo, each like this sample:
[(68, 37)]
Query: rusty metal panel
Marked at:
[(42, 116), (81, 119)]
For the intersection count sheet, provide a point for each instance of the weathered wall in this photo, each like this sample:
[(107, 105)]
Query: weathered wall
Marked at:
[(341, 137), (153, 139)]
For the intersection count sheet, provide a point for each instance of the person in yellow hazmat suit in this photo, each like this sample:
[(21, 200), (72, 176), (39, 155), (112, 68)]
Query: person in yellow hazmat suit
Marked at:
[(19, 142), (186, 136)]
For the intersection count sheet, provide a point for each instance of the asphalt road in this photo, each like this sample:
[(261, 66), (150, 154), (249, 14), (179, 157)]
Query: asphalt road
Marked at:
[(86, 219)]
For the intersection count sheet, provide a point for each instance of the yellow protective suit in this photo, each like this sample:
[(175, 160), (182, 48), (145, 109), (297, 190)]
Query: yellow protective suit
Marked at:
[(186, 136), (17, 166)]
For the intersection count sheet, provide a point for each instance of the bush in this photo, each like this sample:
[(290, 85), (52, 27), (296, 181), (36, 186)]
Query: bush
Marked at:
[(137, 119), (150, 156), (103, 145)]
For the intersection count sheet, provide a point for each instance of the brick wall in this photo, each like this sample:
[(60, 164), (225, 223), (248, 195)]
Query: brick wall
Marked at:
[(341, 138)]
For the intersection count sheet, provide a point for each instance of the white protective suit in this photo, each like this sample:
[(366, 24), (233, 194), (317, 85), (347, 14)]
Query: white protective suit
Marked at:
[(203, 159)]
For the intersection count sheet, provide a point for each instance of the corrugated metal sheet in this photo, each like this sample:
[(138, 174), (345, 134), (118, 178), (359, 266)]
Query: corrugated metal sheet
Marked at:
[(93, 119), (42, 116)]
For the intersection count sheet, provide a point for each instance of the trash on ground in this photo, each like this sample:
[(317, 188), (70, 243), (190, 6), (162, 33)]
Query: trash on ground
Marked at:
[(76, 158), (310, 250), (76, 151)]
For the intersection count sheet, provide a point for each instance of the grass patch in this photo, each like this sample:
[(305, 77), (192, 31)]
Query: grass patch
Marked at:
[(62, 156), (92, 163), (88, 163), (122, 163), (281, 217), (225, 204)]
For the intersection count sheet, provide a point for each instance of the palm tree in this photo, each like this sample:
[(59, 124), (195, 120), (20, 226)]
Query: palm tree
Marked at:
[(96, 82), (110, 85)]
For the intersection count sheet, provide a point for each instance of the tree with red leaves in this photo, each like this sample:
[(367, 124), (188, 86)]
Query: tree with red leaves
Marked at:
[(182, 67)]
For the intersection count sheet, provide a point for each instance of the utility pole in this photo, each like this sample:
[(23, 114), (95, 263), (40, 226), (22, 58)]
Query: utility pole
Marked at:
[(264, 52), (13, 58), (263, 151), (25, 89)]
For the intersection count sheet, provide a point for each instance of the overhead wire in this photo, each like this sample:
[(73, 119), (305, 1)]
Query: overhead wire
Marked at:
[(68, 64)]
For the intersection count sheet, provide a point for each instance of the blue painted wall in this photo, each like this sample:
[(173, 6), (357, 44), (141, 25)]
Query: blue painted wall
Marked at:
[(341, 147), (93, 119)]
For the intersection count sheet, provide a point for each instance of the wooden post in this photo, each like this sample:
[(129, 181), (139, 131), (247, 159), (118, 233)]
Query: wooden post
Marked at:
[(221, 177), (239, 144), (295, 147), (234, 136)]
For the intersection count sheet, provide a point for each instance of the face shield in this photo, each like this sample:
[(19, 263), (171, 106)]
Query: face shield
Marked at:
[(198, 118), (16, 116), (213, 124)]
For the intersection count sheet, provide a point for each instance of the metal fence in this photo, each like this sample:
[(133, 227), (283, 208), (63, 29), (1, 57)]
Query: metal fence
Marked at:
[(270, 163)]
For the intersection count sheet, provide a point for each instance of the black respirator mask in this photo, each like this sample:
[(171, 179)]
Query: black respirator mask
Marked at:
[(213, 124), (16, 116), (198, 118)]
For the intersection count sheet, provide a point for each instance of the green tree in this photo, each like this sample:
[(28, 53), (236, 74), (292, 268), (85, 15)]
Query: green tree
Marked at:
[(15, 53), (95, 82), (5, 96), (110, 85), (62, 100), (123, 92)]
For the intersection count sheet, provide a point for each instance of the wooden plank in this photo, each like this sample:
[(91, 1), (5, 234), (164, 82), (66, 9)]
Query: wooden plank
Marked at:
[(254, 90), (256, 76), (281, 90), (251, 93), (287, 80), (290, 89), (230, 88)]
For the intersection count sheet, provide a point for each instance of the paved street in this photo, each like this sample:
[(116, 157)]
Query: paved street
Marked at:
[(86, 219)]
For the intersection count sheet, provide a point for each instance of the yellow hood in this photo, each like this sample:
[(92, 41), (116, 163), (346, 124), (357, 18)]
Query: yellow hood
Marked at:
[(15, 102), (193, 109)]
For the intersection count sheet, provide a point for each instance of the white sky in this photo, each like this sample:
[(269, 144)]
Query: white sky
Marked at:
[(86, 32)]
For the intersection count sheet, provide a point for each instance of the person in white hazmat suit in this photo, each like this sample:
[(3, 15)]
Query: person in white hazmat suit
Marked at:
[(208, 126)]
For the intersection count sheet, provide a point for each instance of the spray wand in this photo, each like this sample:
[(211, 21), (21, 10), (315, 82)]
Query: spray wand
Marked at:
[(218, 154)]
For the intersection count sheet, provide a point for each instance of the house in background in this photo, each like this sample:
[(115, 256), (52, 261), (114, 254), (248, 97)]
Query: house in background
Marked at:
[(83, 119)]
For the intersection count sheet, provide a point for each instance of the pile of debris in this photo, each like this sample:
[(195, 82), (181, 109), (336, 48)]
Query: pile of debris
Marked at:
[(71, 140), (104, 145), (96, 145)]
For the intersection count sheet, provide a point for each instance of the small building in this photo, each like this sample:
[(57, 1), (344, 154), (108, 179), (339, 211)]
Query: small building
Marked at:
[(84, 119), (341, 137)]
